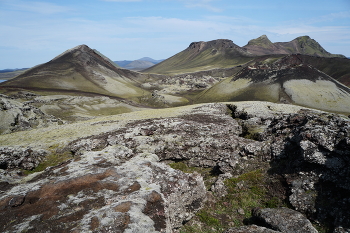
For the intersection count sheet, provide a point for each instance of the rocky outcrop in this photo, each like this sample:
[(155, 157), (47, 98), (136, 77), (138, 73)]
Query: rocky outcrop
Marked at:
[(119, 179), (250, 229), (24, 158), (311, 150), (284, 220), (273, 220), (16, 116), (207, 130), (103, 191), (303, 45)]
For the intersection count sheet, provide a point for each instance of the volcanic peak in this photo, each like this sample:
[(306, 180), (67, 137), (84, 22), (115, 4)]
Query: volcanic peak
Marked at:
[(219, 44), (81, 48), (261, 41)]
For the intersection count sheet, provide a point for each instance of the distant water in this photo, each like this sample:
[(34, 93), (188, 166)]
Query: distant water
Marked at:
[(2, 80)]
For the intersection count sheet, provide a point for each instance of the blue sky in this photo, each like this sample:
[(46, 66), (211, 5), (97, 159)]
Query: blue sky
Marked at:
[(34, 32)]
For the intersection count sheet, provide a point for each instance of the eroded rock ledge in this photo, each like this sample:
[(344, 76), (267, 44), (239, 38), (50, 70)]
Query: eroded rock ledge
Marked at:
[(119, 180)]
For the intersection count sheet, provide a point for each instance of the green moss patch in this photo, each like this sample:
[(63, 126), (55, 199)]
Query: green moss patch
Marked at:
[(245, 192), (208, 174), (53, 159)]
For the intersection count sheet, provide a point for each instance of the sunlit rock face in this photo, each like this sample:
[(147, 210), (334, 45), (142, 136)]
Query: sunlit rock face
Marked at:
[(119, 179), (104, 191)]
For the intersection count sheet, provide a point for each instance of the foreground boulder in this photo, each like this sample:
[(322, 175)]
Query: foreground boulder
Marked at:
[(250, 229), (311, 150), (284, 220), (24, 158), (103, 191)]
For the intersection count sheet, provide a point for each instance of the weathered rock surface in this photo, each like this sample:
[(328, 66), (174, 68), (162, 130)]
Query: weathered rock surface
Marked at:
[(250, 229), (117, 183), (207, 130), (284, 220), (312, 151), (16, 116), (25, 158), (103, 191)]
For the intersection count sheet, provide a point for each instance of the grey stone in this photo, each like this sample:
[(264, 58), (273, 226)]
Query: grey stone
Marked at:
[(250, 229), (284, 220)]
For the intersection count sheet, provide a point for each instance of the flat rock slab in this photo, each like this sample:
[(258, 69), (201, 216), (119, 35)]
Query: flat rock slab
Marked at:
[(250, 229), (284, 220), (103, 191)]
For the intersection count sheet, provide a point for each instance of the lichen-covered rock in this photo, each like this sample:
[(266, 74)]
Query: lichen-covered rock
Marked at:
[(117, 181), (206, 137), (103, 191), (24, 158), (284, 220), (16, 116), (250, 229), (219, 187), (311, 150)]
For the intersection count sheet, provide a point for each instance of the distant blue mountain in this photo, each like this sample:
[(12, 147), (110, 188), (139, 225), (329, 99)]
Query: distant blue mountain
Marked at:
[(151, 60), (11, 70), (122, 63), (138, 64)]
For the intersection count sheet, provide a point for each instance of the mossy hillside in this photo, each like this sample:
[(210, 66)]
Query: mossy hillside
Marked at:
[(224, 90), (322, 94), (77, 107), (337, 68), (240, 90), (261, 41), (162, 100), (185, 62), (70, 80), (73, 113), (310, 46)]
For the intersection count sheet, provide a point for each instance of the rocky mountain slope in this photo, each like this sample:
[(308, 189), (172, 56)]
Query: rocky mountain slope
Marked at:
[(224, 53), (300, 45), (183, 169), (203, 56), (288, 80), (80, 69)]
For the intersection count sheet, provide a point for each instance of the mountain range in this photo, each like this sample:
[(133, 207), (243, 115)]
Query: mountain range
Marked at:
[(211, 71), (224, 53), (303, 45)]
